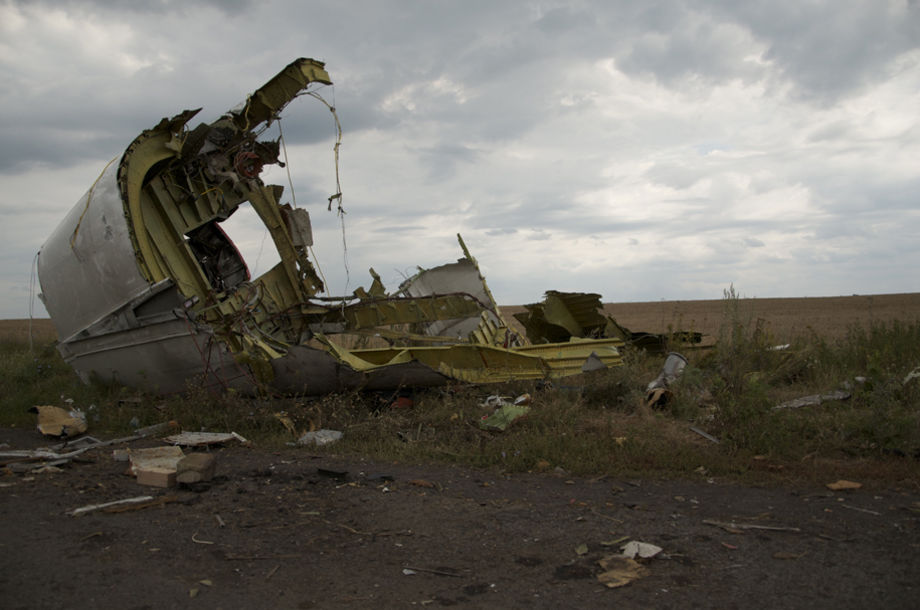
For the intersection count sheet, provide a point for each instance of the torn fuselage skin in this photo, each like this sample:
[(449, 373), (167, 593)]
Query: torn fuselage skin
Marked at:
[(144, 287)]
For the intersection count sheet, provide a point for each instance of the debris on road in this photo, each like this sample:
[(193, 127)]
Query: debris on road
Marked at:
[(94, 507), (124, 508), (642, 550), (738, 528), (440, 571), (320, 438), (196, 468), (861, 510), (51, 456), (58, 422), (155, 466), (201, 439), (619, 571), (843, 485)]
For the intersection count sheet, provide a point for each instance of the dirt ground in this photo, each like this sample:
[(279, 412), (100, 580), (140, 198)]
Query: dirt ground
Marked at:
[(292, 529)]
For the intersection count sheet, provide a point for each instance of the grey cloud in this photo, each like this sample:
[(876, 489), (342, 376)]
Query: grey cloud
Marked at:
[(228, 7), (674, 175), (501, 231), (698, 49), (829, 48), (441, 161)]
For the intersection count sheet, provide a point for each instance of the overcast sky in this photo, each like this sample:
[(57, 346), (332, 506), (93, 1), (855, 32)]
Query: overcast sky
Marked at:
[(643, 150)]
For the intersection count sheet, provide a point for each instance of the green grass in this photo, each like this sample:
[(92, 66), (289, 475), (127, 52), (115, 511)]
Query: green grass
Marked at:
[(592, 424)]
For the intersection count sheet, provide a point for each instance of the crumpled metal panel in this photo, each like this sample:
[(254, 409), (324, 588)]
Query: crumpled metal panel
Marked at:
[(87, 267), (146, 289)]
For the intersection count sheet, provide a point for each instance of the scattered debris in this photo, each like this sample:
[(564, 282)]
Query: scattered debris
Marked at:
[(779, 348), (619, 571), (642, 550), (738, 528), (197, 541), (862, 510), (320, 437), (672, 369), (124, 508), (195, 468), (504, 411), (842, 485), (705, 435), (572, 316), (503, 417), (201, 439), (813, 400), (85, 444), (440, 571), (658, 392), (94, 507), (581, 549), (286, 421), (58, 422), (155, 466), (914, 374)]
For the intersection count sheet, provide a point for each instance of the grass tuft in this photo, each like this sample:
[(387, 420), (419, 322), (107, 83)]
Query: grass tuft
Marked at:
[(592, 424)]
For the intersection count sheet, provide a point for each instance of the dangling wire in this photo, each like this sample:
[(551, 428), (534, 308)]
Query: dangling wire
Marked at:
[(287, 166), (337, 196)]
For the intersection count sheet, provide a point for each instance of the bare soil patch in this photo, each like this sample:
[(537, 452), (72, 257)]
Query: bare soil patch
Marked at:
[(325, 531)]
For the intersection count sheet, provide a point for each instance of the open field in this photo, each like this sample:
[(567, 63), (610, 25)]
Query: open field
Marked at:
[(785, 318)]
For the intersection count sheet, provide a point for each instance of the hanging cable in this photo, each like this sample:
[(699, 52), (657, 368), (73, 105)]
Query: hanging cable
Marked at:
[(337, 196), (287, 166)]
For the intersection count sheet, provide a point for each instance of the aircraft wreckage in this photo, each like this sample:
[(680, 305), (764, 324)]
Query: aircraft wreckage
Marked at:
[(145, 288)]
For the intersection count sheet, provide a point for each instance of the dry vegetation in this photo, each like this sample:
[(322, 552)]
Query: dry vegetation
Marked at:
[(597, 423), (785, 319)]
